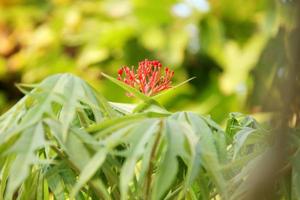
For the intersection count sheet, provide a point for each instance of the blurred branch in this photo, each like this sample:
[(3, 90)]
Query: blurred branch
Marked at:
[(275, 165)]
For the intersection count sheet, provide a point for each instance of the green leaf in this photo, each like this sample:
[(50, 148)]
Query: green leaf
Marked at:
[(25, 88), (101, 189), (4, 175), (168, 167), (96, 100), (28, 189), (74, 147), (56, 185), (138, 140), (209, 152), (45, 189), (40, 187), (31, 140), (123, 107), (172, 88), (89, 170), (68, 110), (240, 139)]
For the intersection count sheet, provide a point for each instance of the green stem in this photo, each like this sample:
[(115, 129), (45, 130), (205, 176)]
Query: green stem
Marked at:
[(152, 161)]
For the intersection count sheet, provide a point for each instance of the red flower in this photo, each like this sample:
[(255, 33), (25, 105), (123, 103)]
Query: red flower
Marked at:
[(149, 78)]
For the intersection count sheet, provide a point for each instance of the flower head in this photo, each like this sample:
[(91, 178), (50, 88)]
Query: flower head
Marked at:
[(150, 77)]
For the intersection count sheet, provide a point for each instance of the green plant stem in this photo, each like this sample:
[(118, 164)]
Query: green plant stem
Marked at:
[(152, 161), (108, 123)]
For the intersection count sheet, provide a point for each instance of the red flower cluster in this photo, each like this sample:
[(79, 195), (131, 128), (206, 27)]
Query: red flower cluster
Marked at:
[(148, 78)]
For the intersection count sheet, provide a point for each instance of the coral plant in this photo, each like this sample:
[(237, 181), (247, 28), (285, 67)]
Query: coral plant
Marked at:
[(64, 140)]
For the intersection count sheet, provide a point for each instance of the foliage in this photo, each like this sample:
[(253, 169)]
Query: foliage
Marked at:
[(64, 140)]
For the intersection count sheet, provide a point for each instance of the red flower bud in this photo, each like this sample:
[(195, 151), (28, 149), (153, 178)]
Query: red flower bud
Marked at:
[(148, 78), (120, 71)]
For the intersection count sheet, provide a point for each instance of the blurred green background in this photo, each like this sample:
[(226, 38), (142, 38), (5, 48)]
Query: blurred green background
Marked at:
[(231, 46)]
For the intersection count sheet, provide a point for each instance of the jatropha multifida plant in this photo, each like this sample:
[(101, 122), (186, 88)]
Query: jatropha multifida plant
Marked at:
[(64, 140)]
